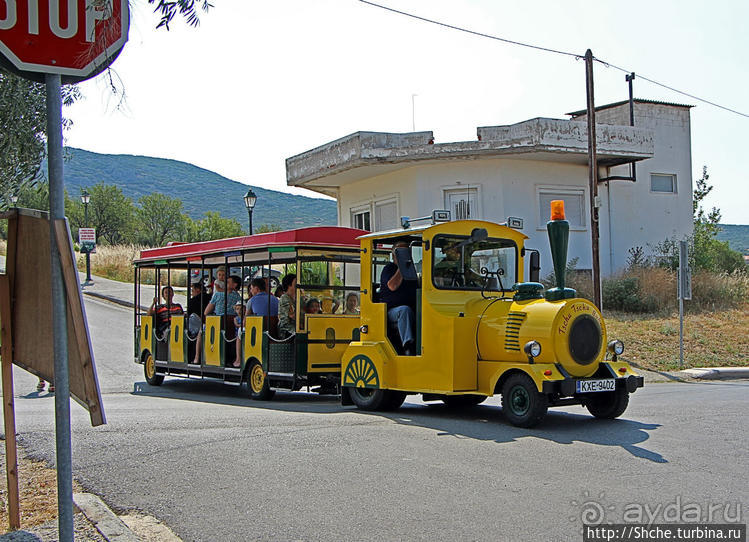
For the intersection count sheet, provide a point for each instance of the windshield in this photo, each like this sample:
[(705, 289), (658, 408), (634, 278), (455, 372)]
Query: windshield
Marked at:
[(460, 264)]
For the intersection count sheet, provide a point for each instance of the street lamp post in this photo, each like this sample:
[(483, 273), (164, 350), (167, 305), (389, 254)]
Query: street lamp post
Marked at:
[(249, 201), (86, 198), (14, 200)]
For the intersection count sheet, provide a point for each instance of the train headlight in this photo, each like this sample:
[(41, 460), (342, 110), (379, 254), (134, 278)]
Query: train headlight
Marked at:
[(616, 347), (532, 349)]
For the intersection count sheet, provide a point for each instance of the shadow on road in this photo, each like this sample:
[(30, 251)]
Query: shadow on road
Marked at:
[(485, 422), (482, 422)]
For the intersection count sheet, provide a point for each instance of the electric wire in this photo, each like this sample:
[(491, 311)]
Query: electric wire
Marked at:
[(608, 64), (468, 31), (549, 50)]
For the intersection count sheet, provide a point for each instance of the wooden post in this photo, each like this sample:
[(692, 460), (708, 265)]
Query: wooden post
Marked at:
[(593, 177), (9, 411)]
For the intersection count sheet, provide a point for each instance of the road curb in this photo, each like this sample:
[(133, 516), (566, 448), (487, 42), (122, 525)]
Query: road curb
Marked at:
[(105, 521), (717, 373), (113, 299)]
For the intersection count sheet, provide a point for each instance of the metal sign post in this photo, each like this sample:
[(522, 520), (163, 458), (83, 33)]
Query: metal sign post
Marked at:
[(59, 312), (684, 292), (35, 45)]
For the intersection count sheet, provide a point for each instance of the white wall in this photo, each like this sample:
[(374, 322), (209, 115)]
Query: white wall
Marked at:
[(509, 187), (640, 217), (506, 187)]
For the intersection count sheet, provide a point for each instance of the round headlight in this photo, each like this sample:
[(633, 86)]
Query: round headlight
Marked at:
[(616, 347), (532, 349)]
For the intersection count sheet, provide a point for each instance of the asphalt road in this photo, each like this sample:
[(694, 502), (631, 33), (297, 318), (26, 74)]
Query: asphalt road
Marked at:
[(217, 467)]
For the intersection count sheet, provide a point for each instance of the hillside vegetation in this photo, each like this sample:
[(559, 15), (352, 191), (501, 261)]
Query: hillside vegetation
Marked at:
[(737, 236), (199, 189)]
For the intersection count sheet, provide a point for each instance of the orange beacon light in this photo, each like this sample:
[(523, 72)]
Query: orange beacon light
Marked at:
[(557, 209)]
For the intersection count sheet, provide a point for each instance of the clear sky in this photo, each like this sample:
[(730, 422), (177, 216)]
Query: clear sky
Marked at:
[(258, 82)]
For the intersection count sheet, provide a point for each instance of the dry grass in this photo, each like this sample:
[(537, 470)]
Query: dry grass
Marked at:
[(38, 491), (711, 339), (112, 262), (116, 263)]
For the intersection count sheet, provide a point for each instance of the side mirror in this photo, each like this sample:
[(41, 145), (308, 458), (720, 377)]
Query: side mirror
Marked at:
[(534, 267), (479, 234)]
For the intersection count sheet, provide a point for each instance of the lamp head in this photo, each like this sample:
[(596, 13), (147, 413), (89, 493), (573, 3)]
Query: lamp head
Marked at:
[(249, 199)]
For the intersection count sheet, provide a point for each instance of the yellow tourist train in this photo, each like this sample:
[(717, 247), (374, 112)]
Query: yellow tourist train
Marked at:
[(479, 330)]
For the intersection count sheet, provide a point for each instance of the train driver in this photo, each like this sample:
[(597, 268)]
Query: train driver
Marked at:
[(400, 297)]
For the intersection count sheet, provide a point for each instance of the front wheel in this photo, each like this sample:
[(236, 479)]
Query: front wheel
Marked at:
[(258, 383), (372, 399), (149, 370), (522, 404), (608, 405)]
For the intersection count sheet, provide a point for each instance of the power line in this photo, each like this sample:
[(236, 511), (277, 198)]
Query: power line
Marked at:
[(548, 50), (467, 31), (608, 64)]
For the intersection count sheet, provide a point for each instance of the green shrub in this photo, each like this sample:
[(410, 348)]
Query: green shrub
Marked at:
[(624, 294)]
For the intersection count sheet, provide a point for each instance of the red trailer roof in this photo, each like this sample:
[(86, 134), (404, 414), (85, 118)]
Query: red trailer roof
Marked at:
[(325, 236)]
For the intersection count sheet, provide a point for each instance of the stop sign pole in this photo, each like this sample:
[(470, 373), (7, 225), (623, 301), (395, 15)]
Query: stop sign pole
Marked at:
[(58, 41)]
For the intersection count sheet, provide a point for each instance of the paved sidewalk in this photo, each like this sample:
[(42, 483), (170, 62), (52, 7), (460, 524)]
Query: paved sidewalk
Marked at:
[(123, 293)]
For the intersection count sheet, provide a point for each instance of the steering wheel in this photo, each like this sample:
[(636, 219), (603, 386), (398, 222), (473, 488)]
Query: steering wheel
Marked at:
[(457, 278)]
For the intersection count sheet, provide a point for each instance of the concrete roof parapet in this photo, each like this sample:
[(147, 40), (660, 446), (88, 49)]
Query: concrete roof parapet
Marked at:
[(539, 138)]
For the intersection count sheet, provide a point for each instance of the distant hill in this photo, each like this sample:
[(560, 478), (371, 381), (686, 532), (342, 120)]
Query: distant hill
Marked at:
[(737, 236), (199, 189)]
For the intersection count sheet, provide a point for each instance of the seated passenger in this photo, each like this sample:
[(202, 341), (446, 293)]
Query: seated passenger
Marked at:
[(221, 304), (312, 306), (261, 303), (352, 304), (287, 307), (400, 297), (162, 312)]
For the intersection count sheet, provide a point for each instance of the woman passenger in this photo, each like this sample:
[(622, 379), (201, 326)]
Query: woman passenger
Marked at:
[(287, 307), (352, 304)]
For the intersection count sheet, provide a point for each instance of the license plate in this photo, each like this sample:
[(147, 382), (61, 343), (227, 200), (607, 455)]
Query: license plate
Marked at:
[(590, 386)]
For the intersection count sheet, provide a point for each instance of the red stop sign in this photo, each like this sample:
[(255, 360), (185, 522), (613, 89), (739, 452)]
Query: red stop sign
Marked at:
[(75, 38)]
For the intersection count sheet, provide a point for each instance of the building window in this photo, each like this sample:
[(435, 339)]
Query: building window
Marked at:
[(386, 215), (574, 206), (462, 203), (361, 218), (660, 182)]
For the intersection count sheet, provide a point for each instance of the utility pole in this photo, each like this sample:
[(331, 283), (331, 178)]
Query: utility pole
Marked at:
[(593, 178)]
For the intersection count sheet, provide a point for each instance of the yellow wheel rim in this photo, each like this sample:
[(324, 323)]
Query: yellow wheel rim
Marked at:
[(150, 366), (257, 379)]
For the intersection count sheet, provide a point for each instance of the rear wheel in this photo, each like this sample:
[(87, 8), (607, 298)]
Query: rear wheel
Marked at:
[(463, 401), (608, 405), (373, 399), (522, 404), (258, 383), (149, 370)]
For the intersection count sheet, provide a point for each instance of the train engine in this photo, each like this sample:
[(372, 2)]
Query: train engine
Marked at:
[(481, 331)]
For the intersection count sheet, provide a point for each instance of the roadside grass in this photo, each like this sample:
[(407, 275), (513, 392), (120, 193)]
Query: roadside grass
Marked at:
[(37, 485), (711, 339), (115, 262)]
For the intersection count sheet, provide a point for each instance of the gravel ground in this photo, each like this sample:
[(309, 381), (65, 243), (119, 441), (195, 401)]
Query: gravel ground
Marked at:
[(47, 532)]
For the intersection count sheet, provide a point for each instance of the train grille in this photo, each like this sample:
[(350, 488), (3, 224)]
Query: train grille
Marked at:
[(512, 332)]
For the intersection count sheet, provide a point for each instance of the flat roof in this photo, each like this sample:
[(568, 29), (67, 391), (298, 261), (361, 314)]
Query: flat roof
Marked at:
[(363, 155), (636, 100)]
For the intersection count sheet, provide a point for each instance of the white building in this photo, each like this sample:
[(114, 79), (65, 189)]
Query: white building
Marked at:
[(516, 171)]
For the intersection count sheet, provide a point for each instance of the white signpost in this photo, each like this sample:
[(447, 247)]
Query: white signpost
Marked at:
[(684, 292)]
